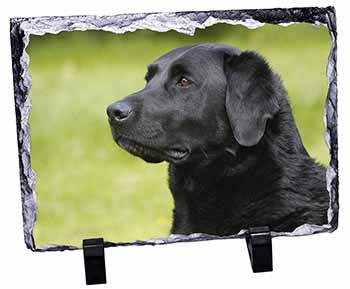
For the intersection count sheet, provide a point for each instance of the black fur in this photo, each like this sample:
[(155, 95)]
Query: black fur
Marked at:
[(236, 157)]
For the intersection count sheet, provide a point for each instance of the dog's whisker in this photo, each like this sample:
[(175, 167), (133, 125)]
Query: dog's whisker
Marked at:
[(204, 153)]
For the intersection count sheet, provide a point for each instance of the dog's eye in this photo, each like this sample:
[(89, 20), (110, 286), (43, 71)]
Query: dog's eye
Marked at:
[(183, 82)]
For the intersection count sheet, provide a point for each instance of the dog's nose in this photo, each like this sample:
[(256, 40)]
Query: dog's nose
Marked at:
[(119, 111)]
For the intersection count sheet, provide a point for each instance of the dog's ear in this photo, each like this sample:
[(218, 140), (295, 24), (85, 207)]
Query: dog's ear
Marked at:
[(250, 96)]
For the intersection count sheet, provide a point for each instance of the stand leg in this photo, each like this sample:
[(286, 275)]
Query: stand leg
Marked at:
[(259, 243), (94, 261)]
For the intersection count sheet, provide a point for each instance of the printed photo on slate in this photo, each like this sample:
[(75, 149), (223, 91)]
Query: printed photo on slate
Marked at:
[(165, 127)]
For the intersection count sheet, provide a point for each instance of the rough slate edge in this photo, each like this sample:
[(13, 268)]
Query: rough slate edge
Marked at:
[(183, 22)]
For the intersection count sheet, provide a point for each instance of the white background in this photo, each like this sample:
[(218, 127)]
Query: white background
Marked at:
[(320, 261)]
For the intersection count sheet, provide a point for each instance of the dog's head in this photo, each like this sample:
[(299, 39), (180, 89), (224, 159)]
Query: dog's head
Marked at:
[(197, 100)]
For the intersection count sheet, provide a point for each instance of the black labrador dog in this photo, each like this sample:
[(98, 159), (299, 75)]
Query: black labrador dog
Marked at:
[(221, 118)]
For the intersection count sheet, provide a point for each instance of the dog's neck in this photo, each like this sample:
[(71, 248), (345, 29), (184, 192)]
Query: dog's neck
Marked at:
[(237, 178), (249, 164)]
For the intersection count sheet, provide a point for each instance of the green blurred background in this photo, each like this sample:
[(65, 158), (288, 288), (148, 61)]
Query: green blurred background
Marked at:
[(86, 185)]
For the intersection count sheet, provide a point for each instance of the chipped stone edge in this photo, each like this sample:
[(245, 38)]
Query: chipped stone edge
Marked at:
[(182, 22)]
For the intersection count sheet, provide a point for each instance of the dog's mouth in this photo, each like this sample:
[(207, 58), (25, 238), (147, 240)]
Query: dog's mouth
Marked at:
[(150, 154)]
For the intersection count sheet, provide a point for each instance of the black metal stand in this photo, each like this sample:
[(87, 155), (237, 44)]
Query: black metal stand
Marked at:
[(259, 243), (94, 260)]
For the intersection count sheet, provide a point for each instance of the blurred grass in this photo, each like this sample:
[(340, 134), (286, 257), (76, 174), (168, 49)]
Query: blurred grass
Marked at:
[(86, 185)]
